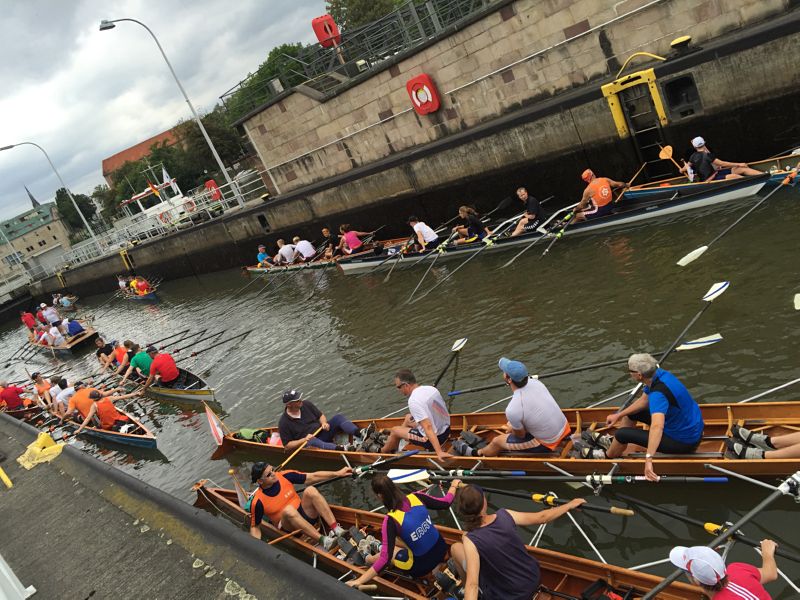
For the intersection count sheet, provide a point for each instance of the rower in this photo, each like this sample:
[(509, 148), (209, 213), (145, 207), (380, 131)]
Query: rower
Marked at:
[(408, 518), (741, 581), (73, 327), (598, 197), (81, 402), (427, 238), (707, 167), (40, 314), (264, 259), (123, 285), (28, 320), (139, 365), (276, 499), (349, 241), (11, 397), (286, 253), (104, 411), (329, 244), (104, 353), (55, 337), (50, 314), (301, 418), (61, 401), (428, 422), (536, 424), (473, 229), (666, 406), (40, 386), (123, 355), (163, 369), (55, 389), (756, 445), (533, 213), (305, 251), (491, 555), (142, 286)]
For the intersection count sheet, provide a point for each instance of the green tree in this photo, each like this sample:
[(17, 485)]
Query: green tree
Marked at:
[(68, 212), (350, 14), (107, 199)]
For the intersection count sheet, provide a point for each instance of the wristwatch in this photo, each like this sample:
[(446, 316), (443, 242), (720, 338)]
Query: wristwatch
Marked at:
[(648, 456)]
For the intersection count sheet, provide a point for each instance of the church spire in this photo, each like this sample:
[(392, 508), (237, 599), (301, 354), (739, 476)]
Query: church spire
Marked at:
[(34, 202)]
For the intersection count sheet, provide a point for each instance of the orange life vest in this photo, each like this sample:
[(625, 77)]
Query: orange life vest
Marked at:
[(600, 191), (108, 413), (274, 505), (119, 353)]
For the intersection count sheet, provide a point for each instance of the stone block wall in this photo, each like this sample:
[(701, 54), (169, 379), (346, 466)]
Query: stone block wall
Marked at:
[(520, 54)]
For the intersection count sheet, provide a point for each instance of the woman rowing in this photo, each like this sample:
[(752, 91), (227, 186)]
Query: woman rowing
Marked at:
[(473, 230), (350, 242), (408, 518), (492, 554)]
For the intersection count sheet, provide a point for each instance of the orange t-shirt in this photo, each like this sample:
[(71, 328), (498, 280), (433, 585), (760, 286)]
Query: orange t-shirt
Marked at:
[(108, 413), (119, 353), (81, 401), (600, 191)]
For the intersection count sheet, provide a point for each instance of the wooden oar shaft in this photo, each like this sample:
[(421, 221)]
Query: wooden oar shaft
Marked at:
[(300, 447), (284, 536)]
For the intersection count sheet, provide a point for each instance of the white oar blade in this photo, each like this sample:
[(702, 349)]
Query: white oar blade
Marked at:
[(700, 342), (716, 290), (459, 344), (408, 475), (692, 256), (797, 301)]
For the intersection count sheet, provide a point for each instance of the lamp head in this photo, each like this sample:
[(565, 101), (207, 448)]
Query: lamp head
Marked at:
[(106, 24)]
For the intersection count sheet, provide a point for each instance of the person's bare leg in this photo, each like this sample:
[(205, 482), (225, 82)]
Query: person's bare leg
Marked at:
[(617, 449), (495, 447), (291, 520), (789, 452), (520, 227), (395, 435), (315, 505)]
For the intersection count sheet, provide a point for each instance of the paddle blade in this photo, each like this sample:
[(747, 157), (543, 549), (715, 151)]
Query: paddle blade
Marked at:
[(666, 153), (215, 426), (459, 344), (700, 342), (408, 475), (716, 290), (797, 301), (692, 256)]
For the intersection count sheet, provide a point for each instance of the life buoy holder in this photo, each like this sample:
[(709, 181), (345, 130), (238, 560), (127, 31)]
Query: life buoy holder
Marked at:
[(326, 31), (164, 217), (423, 94), (189, 206)]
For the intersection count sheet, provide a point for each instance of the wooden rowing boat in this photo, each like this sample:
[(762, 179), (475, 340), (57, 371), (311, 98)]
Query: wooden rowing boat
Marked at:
[(191, 389), (71, 343), (563, 573), (774, 418), (23, 414), (140, 436), (148, 297)]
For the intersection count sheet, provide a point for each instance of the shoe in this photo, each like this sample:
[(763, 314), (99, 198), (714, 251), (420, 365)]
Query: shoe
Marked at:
[(339, 531), (597, 439), (328, 542), (743, 451), (593, 453), (351, 447), (366, 433), (473, 440), (461, 448), (752, 438)]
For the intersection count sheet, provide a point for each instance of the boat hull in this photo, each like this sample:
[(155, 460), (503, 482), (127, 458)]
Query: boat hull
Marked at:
[(145, 439), (73, 343), (196, 390)]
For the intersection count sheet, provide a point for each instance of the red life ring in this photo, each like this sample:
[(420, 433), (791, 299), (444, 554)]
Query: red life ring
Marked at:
[(423, 93), (164, 217), (189, 206)]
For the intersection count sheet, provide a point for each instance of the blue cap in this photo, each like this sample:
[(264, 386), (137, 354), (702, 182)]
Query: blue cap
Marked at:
[(513, 368)]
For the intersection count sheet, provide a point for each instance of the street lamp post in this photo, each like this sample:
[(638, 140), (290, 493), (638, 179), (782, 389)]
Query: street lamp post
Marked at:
[(109, 24), (63, 185)]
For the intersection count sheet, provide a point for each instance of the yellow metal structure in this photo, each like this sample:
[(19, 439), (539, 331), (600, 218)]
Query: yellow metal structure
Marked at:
[(126, 260), (612, 90), (61, 279)]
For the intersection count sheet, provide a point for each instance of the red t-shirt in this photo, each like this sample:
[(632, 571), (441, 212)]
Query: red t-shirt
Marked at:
[(164, 365), (29, 320), (10, 396), (744, 583)]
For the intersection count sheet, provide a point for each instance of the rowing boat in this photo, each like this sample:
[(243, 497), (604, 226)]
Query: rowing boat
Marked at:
[(71, 343), (25, 413), (633, 211), (773, 418), (148, 297), (140, 437), (191, 388), (562, 573)]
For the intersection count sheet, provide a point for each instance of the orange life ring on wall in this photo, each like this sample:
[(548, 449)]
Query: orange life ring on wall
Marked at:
[(164, 217), (189, 206), (423, 93), (326, 30)]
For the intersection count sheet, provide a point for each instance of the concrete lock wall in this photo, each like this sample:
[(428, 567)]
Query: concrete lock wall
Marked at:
[(300, 126)]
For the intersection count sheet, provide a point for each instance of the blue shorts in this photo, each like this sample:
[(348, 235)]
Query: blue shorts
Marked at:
[(721, 174)]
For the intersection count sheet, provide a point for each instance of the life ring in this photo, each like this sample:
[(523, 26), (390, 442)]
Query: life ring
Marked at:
[(164, 217), (189, 206)]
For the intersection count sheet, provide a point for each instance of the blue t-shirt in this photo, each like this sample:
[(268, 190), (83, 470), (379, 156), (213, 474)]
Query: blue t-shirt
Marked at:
[(683, 420), (74, 328), (261, 256)]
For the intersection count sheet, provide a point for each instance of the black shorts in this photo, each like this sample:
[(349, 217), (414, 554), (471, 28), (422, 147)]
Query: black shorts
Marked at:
[(640, 437), (417, 437)]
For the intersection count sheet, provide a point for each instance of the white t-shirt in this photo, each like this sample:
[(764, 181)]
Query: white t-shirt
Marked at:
[(64, 395), (51, 314), (534, 409), (287, 253), (428, 234), (305, 248), (425, 402), (56, 336), (54, 392)]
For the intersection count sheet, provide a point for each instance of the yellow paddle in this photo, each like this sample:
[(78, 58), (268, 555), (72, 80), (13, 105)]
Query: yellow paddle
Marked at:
[(303, 445)]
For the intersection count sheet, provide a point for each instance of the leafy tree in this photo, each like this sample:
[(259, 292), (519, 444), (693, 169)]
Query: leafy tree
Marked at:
[(68, 212), (107, 199), (350, 14)]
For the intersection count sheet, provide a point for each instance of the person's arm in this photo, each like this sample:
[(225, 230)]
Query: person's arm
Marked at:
[(445, 501), (617, 184), (584, 201), (388, 536), (323, 422), (473, 569), (724, 164), (127, 374), (524, 519), (149, 380), (88, 418), (317, 476), (640, 404), (295, 444), (427, 427), (768, 570)]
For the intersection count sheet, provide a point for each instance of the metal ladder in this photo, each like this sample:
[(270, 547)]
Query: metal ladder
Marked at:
[(645, 129)]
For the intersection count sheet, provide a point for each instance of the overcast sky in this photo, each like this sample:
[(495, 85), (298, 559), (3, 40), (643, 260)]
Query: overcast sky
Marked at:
[(84, 95)]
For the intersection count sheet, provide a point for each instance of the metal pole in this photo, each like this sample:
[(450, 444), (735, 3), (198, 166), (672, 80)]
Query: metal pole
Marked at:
[(189, 102)]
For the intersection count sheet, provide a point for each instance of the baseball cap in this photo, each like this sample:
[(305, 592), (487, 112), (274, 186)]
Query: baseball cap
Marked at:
[(151, 349), (698, 142), (702, 563), (43, 305), (292, 396), (257, 470), (261, 246), (587, 175), (513, 368)]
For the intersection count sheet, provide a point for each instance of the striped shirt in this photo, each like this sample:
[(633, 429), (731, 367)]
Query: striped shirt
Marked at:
[(744, 583)]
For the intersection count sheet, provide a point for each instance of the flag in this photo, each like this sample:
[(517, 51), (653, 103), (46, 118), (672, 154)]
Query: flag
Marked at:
[(215, 425), (154, 189), (168, 180)]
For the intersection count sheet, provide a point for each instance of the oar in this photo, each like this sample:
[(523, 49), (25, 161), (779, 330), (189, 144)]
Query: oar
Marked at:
[(714, 292), (632, 179), (398, 257), (551, 500), (666, 154), (300, 447), (712, 528), (414, 475), (698, 252), (797, 301), (440, 251), (569, 219), (364, 469), (195, 353), (689, 345), (257, 278)]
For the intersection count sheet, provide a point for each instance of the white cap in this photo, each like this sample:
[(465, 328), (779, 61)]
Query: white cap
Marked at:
[(43, 305), (702, 563), (698, 142)]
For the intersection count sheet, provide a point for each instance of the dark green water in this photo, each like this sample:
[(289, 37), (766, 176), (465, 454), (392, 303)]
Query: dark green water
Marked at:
[(591, 299)]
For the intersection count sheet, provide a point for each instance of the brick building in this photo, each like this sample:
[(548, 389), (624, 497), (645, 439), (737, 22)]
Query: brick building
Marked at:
[(136, 152)]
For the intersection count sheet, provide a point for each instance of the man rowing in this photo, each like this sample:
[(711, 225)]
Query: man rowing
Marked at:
[(287, 253), (301, 419), (11, 397), (472, 229), (427, 238), (407, 518), (747, 444), (536, 424), (305, 250), (276, 499), (329, 244), (104, 352), (428, 422), (105, 414), (707, 167), (163, 370), (598, 197), (50, 314), (532, 216), (264, 259), (73, 327), (666, 406)]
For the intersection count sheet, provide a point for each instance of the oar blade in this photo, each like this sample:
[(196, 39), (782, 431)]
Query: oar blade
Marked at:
[(700, 342), (459, 344), (666, 153), (408, 475), (797, 301), (692, 256), (716, 290)]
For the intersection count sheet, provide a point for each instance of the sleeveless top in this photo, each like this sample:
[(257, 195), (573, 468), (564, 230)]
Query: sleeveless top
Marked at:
[(352, 240), (274, 505), (507, 572), (600, 191), (416, 526), (108, 413)]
